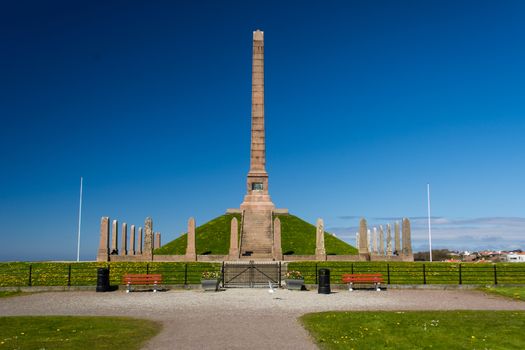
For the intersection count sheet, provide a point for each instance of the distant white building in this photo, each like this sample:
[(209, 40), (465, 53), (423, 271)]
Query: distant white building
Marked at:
[(515, 257)]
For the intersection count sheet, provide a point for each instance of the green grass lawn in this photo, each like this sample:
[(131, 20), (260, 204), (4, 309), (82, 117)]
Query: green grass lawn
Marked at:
[(417, 329), (5, 294), (511, 292), (67, 332)]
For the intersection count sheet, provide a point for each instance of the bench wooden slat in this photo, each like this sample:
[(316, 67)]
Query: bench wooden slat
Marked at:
[(351, 278), (142, 279)]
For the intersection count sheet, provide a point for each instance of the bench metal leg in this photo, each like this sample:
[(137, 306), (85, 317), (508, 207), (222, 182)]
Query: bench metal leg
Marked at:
[(377, 287), (128, 289), (350, 286), (155, 287)]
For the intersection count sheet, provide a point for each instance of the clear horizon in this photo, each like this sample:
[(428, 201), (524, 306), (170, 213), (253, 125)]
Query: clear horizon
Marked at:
[(366, 103)]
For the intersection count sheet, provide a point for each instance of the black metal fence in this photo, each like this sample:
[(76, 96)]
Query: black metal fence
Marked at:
[(419, 273), (85, 274), (175, 273)]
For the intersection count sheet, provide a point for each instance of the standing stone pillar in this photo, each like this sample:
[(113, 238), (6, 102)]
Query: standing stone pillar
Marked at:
[(388, 240), (234, 239), (131, 250), (363, 242), (114, 238), (397, 250), (381, 241), (320, 252), (157, 240), (190, 248), (374, 240), (124, 248), (368, 240), (407, 244), (277, 248), (147, 251), (139, 243), (103, 247)]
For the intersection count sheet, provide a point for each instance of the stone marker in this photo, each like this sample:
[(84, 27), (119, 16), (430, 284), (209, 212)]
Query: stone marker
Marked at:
[(374, 240), (124, 248), (139, 243), (234, 239), (363, 243), (381, 241), (190, 248), (157, 240), (407, 245), (131, 250), (103, 247), (368, 240), (388, 240), (320, 252), (114, 238), (277, 248), (397, 249), (147, 251)]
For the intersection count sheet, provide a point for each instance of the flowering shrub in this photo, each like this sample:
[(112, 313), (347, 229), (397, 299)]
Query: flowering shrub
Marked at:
[(294, 275), (211, 275)]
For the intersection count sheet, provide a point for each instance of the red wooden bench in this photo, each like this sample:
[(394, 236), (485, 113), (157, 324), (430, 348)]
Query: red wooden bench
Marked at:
[(141, 280), (362, 278)]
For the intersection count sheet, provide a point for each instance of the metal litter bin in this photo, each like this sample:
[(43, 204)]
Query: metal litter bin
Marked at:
[(324, 281), (102, 279)]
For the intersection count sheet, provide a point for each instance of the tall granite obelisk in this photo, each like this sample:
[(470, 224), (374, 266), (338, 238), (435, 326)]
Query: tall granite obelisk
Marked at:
[(257, 196)]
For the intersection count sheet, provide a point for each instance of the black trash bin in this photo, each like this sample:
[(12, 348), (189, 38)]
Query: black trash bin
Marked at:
[(324, 281), (102, 279)]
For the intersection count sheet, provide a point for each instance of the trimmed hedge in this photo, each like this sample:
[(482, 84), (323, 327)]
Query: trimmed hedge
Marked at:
[(419, 272), (20, 274)]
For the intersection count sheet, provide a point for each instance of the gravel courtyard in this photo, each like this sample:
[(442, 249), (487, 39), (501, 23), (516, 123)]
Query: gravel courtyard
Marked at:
[(241, 318)]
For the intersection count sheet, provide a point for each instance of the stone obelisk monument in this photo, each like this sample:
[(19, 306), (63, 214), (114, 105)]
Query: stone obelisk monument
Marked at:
[(257, 233), (257, 197)]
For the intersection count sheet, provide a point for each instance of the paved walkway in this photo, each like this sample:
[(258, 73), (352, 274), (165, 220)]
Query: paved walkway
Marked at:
[(242, 318)]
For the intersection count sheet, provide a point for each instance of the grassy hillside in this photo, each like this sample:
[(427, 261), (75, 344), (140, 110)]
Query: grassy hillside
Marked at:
[(211, 238), (298, 238)]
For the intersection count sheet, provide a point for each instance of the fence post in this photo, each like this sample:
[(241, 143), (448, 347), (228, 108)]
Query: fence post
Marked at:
[(69, 276), (424, 275), (460, 275), (30, 273), (495, 275), (388, 272), (280, 272), (222, 273), (185, 274), (147, 269), (316, 277), (352, 268)]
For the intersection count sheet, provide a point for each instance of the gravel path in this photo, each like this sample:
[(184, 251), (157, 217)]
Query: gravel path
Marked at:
[(241, 318)]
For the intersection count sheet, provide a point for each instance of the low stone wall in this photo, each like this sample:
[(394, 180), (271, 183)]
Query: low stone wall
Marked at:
[(299, 258), (343, 258)]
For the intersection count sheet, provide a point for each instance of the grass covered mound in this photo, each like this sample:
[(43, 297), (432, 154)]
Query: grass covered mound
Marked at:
[(211, 238), (298, 238), (417, 329), (68, 332)]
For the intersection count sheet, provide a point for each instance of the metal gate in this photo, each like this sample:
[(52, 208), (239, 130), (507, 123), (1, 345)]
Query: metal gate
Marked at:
[(251, 274)]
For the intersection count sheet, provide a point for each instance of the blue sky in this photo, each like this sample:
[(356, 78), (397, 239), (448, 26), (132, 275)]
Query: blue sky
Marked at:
[(366, 102)]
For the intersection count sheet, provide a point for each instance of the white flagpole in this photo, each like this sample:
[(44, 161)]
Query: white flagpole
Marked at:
[(429, 226), (79, 221)]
